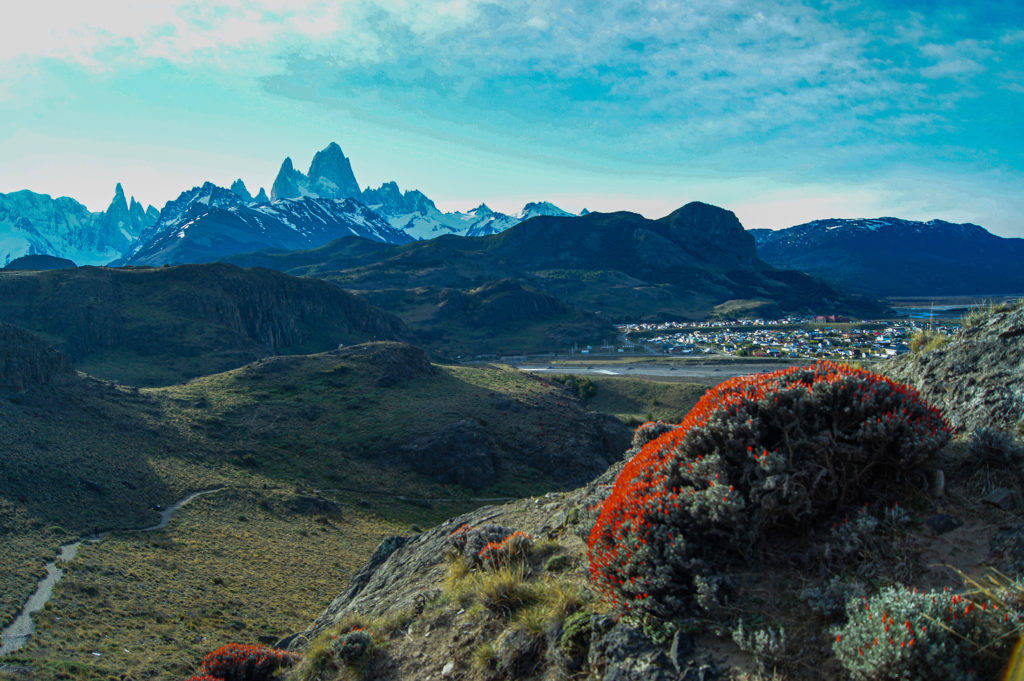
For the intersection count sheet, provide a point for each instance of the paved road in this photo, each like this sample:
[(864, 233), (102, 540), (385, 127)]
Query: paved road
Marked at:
[(694, 370)]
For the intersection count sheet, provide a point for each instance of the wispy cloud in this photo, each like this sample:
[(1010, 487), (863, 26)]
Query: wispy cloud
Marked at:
[(795, 89)]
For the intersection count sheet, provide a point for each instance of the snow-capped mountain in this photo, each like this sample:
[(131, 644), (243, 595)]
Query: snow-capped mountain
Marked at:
[(38, 224), (893, 257), (209, 222), (330, 176), (417, 215)]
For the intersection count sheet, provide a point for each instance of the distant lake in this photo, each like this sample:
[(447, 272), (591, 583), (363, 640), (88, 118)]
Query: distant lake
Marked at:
[(945, 307)]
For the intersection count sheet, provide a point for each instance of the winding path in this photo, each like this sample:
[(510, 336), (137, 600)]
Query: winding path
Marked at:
[(18, 632)]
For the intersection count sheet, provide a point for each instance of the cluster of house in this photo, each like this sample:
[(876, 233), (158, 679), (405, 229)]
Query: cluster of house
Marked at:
[(789, 337)]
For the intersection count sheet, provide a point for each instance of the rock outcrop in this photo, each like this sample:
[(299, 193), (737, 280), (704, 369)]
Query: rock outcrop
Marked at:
[(405, 571), (26, 362), (977, 379)]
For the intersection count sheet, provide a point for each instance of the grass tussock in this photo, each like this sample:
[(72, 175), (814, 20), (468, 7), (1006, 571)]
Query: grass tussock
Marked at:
[(926, 341), (502, 591), (976, 316)]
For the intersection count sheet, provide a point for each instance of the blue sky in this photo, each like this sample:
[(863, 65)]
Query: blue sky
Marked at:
[(781, 111)]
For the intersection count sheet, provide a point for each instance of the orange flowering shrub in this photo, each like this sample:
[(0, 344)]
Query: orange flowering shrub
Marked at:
[(757, 456), (241, 662), (502, 553)]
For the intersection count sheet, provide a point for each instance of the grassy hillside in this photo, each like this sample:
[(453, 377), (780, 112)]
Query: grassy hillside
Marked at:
[(635, 400), (317, 456)]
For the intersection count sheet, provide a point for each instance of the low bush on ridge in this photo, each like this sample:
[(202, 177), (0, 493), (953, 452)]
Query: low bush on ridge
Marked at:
[(903, 633), (758, 457), (240, 662)]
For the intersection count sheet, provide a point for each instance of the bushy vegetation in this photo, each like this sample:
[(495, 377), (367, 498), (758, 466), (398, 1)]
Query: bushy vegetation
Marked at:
[(352, 646), (648, 431), (581, 386), (758, 457), (240, 662), (903, 633)]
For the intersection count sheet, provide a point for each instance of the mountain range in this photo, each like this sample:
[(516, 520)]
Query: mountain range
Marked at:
[(208, 222), (308, 210), (695, 262), (892, 257), (38, 224)]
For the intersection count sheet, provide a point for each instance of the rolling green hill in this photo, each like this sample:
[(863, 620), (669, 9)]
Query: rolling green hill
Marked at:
[(316, 455)]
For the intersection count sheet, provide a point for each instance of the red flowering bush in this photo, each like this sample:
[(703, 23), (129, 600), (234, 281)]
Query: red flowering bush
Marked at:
[(240, 662), (757, 457), (502, 553)]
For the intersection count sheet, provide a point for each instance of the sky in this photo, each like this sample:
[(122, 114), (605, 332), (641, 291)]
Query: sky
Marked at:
[(783, 111)]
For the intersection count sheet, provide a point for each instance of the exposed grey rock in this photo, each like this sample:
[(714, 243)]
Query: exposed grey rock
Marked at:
[(681, 650), (942, 523), (519, 654), (1002, 498), (977, 379), (624, 653), (1008, 544), (403, 569)]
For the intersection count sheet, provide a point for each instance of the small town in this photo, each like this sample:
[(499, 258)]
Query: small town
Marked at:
[(792, 337)]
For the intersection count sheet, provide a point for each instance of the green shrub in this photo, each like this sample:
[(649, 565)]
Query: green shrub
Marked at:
[(581, 386), (352, 647), (902, 635), (759, 457), (576, 631), (767, 646), (490, 546), (648, 431)]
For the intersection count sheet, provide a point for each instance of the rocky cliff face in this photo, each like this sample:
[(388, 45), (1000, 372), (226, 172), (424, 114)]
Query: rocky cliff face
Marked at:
[(26, 362), (193, 314), (977, 379), (330, 177)]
